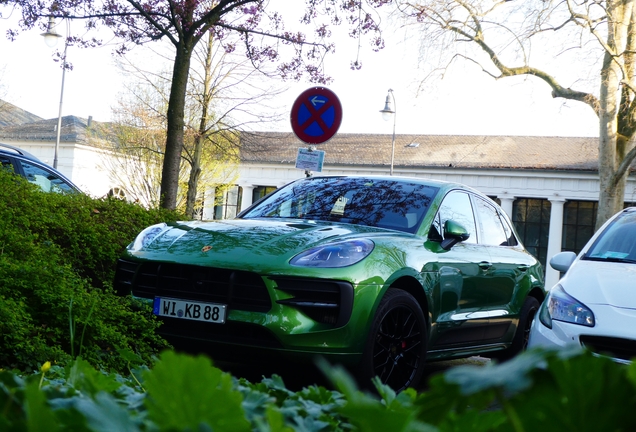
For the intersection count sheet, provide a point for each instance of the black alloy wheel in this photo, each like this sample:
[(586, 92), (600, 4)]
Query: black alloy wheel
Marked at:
[(396, 347), (529, 311)]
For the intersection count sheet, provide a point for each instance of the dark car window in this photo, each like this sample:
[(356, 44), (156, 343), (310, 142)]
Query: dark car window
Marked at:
[(510, 234), (492, 229), (6, 163), (46, 180), (398, 205), (617, 242), (457, 207)]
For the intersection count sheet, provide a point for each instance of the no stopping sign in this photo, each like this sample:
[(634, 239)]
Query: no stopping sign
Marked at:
[(316, 115)]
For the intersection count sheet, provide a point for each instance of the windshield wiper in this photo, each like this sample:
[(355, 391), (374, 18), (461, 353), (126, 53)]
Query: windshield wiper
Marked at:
[(610, 259), (319, 216)]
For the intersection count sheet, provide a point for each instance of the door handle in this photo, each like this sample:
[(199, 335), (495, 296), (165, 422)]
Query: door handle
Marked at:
[(523, 267), (485, 265)]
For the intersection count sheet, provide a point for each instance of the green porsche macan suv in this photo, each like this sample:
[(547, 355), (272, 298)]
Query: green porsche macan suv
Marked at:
[(377, 273)]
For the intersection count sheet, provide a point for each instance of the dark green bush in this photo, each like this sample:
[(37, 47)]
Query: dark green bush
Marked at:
[(57, 261)]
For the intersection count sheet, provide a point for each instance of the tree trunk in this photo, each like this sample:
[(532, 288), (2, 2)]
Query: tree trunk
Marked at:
[(191, 196), (174, 133), (202, 134), (611, 144)]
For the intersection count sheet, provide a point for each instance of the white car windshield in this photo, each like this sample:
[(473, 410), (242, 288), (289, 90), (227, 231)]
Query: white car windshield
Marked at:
[(617, 242)]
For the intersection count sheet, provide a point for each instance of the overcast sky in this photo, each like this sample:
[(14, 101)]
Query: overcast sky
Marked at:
[(467, 102)]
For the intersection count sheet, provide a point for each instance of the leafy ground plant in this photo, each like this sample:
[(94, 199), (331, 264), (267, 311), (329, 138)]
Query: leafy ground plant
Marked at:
[(539, 390)]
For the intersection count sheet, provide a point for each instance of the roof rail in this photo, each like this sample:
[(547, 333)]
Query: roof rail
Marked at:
[(19, 151)]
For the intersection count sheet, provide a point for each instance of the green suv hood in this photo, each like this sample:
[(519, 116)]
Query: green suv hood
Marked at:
[(247, 242)]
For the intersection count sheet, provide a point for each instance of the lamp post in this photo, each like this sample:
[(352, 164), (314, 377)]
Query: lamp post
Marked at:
[(387, 113), (50, 38)]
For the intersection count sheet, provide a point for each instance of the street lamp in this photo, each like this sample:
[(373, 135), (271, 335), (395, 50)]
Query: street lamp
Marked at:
[(50, 38), (387, 113)]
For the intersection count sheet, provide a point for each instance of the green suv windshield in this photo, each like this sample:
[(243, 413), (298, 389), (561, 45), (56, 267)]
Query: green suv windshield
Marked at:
[(393, 204)]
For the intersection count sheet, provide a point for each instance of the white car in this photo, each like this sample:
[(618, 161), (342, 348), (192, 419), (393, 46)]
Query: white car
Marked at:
[(594, 304)]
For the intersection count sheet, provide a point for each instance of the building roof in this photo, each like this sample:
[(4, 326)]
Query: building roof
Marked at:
[(12, 115), (74, 130), (433, 151), (347, 149)]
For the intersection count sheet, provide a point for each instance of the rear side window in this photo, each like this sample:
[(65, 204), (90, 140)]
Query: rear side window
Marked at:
[(6, 163), (46, 180), (490, 224)]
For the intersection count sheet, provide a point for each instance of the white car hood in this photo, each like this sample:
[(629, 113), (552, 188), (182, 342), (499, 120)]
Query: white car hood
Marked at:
[(603, 283)]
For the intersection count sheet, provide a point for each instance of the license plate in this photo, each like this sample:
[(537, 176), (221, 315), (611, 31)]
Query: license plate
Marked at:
[(190, 310)]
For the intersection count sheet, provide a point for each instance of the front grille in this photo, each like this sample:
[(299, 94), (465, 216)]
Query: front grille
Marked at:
[(619, 348), (124, 276), (240, 290), (324, 301), (230, 332)]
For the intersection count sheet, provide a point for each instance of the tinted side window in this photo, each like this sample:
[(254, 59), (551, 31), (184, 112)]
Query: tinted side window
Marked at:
[(510, 234), (491, 226), (457, 206), (46, 180), (6, 163)]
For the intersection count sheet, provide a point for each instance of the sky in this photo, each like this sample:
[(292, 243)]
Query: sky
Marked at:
[(465, 102)]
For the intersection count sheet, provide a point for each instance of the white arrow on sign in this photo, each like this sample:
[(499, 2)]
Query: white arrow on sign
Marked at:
[(315, 100)]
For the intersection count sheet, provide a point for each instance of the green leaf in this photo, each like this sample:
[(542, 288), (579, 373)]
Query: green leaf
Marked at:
[(583, 392), (185, 392), (322, 396), (368, 413), (105, 415), (255, 402), (631, 373), (40, 417), (512, 376), (275, 421), (473, 421), (129, 356), (84, 377)]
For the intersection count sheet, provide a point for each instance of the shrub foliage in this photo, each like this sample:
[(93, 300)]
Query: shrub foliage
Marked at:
[(57, 261)]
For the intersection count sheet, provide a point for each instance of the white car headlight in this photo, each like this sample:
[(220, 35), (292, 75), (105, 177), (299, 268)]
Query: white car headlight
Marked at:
[(147, 236), (562, 307), (341, 254)]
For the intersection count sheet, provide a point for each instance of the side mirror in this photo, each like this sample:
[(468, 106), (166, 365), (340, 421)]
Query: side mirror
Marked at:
[(562, 261), (453, 234)]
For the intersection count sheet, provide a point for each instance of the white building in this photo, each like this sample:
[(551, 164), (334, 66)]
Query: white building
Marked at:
[(79, 158)]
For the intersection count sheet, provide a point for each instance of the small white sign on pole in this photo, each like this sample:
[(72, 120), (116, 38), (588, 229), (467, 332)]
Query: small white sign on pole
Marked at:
[(310, 160)]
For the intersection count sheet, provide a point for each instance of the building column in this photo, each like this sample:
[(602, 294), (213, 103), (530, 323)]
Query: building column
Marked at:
[(208, 204), (506, 205), (246, 196), (555, 236)]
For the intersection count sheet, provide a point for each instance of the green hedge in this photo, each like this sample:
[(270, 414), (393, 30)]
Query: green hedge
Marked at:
[(57, 262)]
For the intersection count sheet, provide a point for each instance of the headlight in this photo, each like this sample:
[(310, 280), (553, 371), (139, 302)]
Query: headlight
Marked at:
[(562, 307), (147, 236), (334, 255)]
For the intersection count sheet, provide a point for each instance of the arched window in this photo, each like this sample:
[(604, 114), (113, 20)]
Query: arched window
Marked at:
[(117, 193)]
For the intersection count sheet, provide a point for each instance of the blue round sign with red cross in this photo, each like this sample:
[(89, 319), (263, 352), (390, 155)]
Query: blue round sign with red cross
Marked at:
[(316, 115)]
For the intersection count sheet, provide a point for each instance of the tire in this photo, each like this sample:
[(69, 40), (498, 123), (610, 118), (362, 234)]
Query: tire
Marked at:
[(520, 340), (395, 350)]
